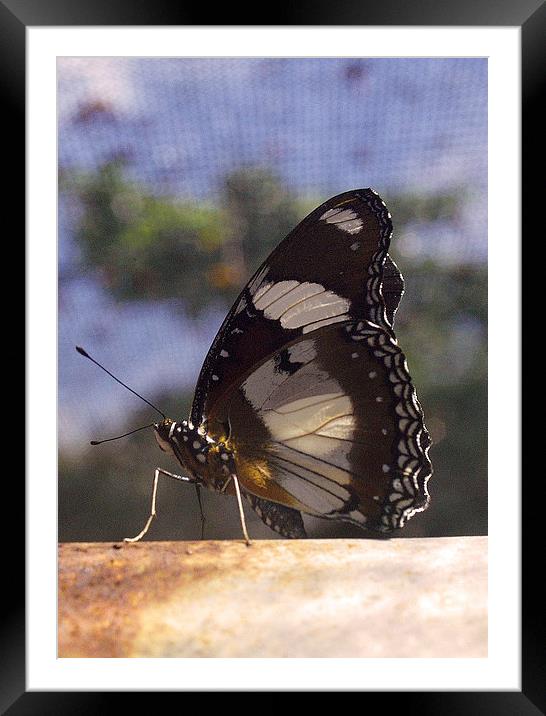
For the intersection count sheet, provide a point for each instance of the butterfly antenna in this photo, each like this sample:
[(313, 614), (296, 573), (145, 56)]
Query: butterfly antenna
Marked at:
[(85, 354), (98, 442)]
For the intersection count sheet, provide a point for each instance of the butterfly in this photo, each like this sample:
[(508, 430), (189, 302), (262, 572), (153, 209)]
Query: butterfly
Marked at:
[(304, 403)]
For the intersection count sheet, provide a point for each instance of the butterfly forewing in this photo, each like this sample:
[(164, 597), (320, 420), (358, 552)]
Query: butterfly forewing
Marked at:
[(332, 267)]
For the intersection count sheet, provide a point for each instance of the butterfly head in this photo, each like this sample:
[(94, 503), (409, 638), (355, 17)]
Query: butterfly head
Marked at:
[(189, 445), (163, 434)]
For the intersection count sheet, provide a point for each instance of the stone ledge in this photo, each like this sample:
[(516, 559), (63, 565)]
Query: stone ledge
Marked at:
[(294, 598)]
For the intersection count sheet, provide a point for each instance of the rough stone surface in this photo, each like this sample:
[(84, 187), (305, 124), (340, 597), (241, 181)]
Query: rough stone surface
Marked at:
[(298, 598)]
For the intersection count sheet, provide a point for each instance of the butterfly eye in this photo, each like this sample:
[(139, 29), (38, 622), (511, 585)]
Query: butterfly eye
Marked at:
[(163, 442)]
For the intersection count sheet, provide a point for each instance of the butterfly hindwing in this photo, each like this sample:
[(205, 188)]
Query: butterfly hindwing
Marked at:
[(332, 267), (330, 425), (284, 520)]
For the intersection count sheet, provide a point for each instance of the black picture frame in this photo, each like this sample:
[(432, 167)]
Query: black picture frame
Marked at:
[(15, 17)]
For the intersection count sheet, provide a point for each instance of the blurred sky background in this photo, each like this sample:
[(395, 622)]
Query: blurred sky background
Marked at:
[(144, 139)]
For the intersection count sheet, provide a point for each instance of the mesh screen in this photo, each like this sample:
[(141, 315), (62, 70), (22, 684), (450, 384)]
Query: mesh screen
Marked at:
[(144, 142)]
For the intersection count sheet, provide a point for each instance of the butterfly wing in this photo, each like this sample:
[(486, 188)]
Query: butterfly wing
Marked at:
[(330, 425), (332, 267), (284, 520), (306, 383)]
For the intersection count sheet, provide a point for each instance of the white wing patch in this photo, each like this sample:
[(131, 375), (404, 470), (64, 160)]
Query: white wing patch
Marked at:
[(306, 416), (311, 463), (321, 307), (308, 423), (301, 305), (259, 385), (344, 219), (271, 292), (297, 292), (264, 387), (310, 436), (318, 485)]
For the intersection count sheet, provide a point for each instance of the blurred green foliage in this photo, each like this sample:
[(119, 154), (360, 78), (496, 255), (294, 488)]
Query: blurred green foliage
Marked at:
[(144, 247), (443, 315), (147, 247)]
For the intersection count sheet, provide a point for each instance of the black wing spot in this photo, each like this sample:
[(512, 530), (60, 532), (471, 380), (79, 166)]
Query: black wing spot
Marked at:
[(283, 364)]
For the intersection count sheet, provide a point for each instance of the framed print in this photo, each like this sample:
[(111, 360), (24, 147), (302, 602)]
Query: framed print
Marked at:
[(241, 131)]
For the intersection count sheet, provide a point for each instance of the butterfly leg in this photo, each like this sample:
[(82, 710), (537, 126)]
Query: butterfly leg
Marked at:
[(146, 527), (241, 511), (203, 519)]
